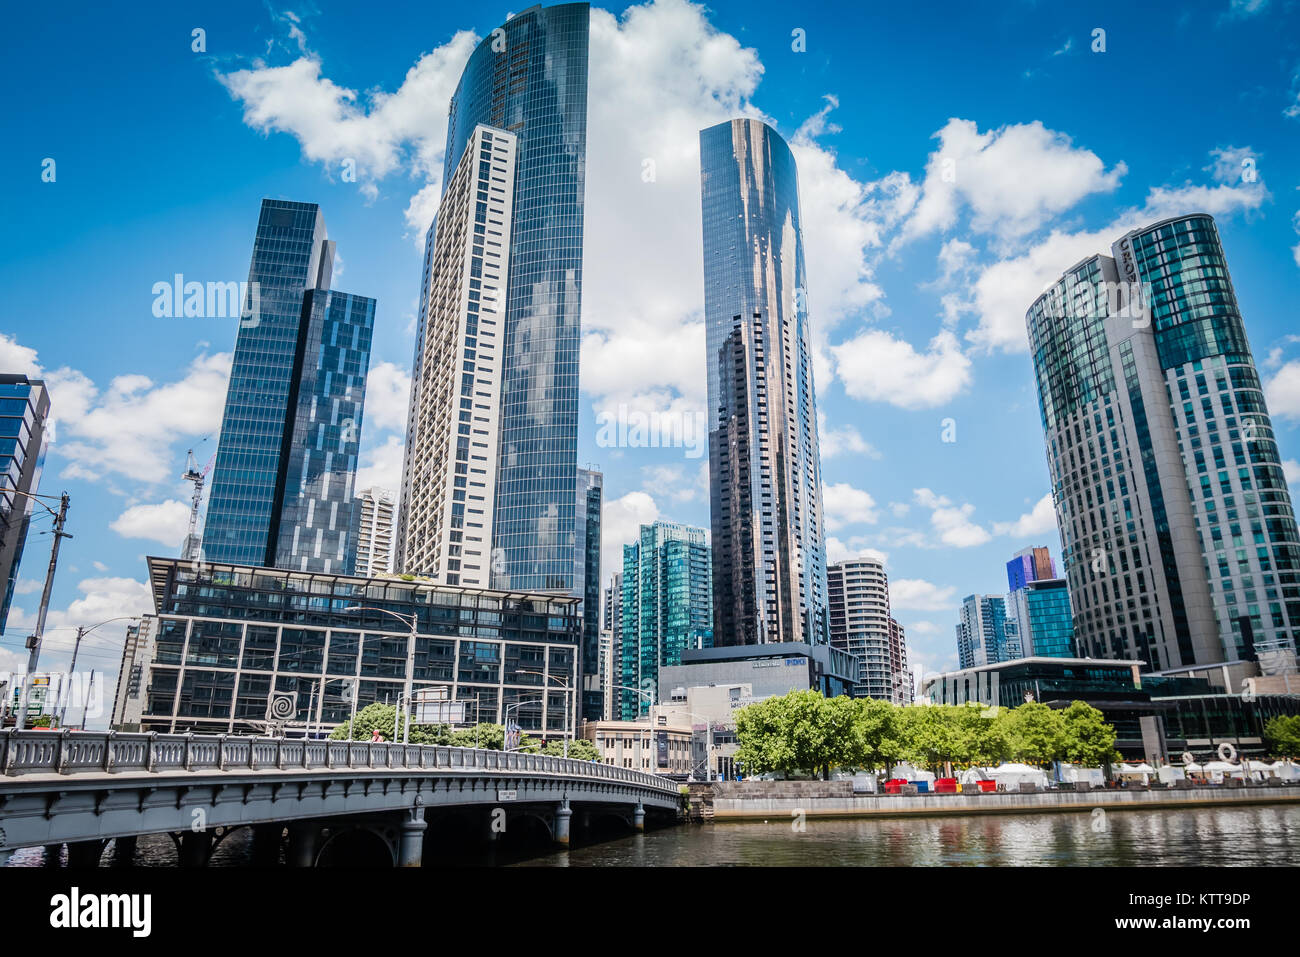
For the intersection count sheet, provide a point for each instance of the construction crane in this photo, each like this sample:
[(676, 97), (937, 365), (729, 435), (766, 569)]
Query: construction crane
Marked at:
[(190, 550)]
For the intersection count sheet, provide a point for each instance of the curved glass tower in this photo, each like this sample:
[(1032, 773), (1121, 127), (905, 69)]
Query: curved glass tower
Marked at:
[(769, 560), (1162, 456), (530, 77)]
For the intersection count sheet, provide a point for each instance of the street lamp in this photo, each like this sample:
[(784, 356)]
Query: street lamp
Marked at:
[(650, 711), (412, 620), (505, 717), (565, 685), (81, 633), (708, 744)]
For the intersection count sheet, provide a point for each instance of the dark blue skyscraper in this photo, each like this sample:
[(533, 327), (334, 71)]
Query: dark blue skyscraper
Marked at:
[(24, 410), (530, 77), (769, 556), (282, 490)]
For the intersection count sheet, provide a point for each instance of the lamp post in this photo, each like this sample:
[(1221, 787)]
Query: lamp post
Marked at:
[(411, 620), (567, 703), (650, 711), (82, 632), (708, 744), (505, 716)]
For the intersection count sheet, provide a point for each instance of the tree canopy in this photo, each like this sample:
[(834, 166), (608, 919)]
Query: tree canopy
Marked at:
[(803, 732), (1283, 735)]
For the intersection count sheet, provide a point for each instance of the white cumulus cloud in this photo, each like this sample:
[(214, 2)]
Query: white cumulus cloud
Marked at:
[(165, 522)]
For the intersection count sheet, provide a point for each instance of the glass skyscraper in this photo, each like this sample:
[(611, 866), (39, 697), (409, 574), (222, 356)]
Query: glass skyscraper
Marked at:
[(982, 632), (1162, 456), (667, 608), (282, 490), (769, 559), (1039, 622), (529, 77), (24, 411), (586, 578)]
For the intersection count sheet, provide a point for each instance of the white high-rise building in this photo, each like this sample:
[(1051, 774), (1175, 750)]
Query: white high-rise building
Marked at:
[(860, 624), (375, 532), (453, 430)]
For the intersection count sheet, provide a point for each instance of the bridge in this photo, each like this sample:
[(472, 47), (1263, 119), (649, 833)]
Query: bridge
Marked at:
[(85, 788)]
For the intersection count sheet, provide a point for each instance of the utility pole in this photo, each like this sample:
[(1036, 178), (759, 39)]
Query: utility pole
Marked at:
[(34, 642)]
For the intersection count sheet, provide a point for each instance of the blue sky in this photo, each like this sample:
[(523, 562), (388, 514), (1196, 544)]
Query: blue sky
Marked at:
[(917, 283)]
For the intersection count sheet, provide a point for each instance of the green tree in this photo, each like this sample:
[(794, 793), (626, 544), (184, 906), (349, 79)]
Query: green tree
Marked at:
[(879, 734), (1036, 733), (760, 738), (1283, 735), (580, 749), (371, 718), (983, 738), (799, 731), (932, 734), (1089, 739)]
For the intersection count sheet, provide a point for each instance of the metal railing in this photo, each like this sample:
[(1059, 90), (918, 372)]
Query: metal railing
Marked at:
[(91, 752)]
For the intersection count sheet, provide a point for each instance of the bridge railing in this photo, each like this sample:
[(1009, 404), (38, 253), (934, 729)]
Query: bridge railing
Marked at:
[(84, 752)]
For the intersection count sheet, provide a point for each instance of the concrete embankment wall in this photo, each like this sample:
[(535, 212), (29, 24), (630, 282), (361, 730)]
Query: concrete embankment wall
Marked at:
[(744, 800)]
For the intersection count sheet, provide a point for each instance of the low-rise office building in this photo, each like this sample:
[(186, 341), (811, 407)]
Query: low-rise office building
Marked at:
[(1157, 716), (704, 691), (226, 641), (660, 746)]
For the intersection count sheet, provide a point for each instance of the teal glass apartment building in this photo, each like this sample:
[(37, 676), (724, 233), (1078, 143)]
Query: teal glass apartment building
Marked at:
[(667, 608)]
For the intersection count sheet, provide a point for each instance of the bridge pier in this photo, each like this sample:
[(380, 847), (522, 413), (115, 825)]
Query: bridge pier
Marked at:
[(410, 846), (52, 854), (303, 836), (563, 818), (638, 818), (85, 853), (195, 848), (124, 851), (5, 854), (266, 844)]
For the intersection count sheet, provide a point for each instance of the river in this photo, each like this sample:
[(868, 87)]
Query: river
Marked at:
[(1240, 836)]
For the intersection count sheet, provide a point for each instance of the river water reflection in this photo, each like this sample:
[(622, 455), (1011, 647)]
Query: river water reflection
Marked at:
[(1249, 836), (1244, 836)]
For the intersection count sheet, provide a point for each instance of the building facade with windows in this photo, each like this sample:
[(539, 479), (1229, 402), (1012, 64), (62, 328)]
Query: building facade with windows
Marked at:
[(282, 490), (24, 411), (982, 632), (1039, 618), (586, 578), (454, 428), (375, 520), (658, 748), (1163, 458), (769, 556), (860, 624), (667, 607), (529, 78), (224, 638)]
